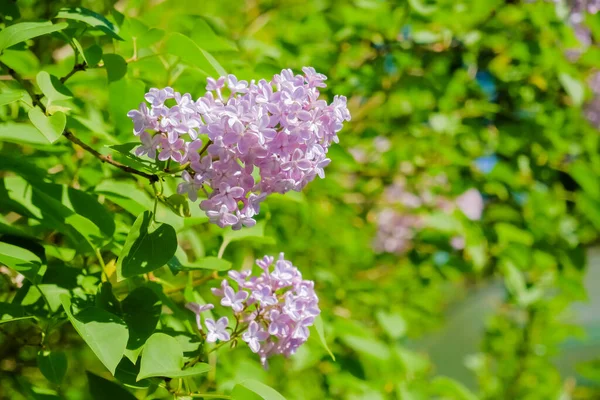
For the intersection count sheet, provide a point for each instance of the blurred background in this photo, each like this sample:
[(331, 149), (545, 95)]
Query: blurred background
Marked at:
[(454, 240)]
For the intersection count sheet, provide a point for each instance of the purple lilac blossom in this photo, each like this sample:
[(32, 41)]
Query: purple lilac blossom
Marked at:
[(198, 309), (264, 137), (277, 304), (217, 330)]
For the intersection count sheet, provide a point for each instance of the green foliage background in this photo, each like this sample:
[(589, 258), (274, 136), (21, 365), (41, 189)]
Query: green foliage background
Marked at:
[(446, 82)]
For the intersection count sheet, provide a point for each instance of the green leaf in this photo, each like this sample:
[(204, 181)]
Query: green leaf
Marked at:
[(104, 332), (508, 233), (141, 312), (586, 178), (11, 96), (116, 66), (102, 389), (367, 346), (208, 39), (23, 261), (125, 194), (92, 55), (264, 391), (124, 95), (257, 232), (318, 326), (75, 213), (163, 356), (52, 88), (106, 300), (127, 373), (513, 279), (449, 388), (10, 312), (21, 133), (23, 31), (51, 127), (420, 7), (393, 324), (52, 293), (148, 246), (573, 87), (189, 52), (210, 263), (179, 205), (91, 18), (53, 365)]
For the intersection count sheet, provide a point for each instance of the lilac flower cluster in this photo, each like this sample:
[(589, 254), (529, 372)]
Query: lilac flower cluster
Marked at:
[(263, 137), (273, 310), (402, 217)]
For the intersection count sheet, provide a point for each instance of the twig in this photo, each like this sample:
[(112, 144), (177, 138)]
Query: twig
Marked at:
[(69, 135), (107, 159), (203, 149), (196, 282), (77, 67)]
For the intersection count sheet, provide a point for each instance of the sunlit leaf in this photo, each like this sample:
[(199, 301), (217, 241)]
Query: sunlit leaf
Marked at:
[(163, 356), (51, 126), (104, 332), (23, 31), (23, 261), (91, 18), (265, 392), (149, 246)]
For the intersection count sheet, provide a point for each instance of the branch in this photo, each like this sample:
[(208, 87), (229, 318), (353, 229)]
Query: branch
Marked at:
[(107, 159), (77, 67), (68, 134)]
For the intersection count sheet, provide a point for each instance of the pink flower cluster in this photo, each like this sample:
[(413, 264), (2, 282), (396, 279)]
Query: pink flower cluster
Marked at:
[(274, 309), (397, 228), (263, 137)]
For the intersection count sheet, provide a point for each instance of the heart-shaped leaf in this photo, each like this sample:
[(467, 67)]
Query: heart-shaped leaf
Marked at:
[(52, 88), (53, 365), (141, 312), (116, 66), (163, 356), (105, 333), (147, 247), (51, 127)]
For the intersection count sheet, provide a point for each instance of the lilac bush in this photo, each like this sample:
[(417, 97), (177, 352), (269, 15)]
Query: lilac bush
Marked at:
[(262, 137), (273, 310)]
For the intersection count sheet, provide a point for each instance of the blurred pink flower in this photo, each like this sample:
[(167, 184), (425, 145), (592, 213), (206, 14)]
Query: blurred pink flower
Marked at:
[(471, 204)]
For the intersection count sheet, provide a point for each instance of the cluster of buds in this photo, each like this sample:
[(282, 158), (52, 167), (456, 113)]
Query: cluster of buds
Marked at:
[(260, 138), (273, 311)]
